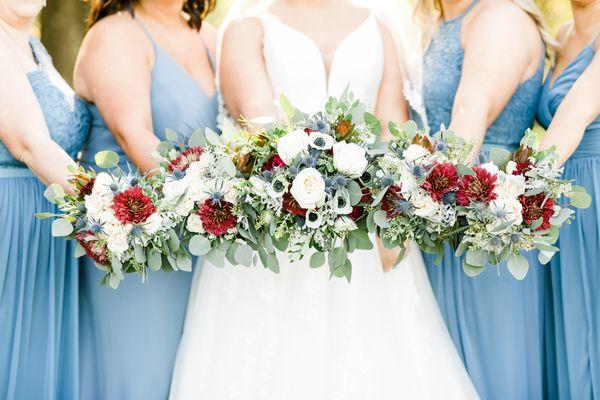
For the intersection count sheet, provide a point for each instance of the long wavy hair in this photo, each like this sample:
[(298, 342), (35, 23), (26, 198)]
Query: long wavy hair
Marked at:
[(195, 10), (427, 12)]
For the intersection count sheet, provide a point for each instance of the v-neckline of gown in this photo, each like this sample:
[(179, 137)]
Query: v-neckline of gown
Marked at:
[(326, 73), (553, 79)]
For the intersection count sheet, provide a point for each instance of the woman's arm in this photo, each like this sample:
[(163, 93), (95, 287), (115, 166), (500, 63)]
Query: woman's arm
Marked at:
[(501, 44), (23, 127), (243, 76), (391, 104), (113, 71), (578, 109)]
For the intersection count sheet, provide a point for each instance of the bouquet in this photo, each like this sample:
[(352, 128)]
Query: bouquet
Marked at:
[(116, 220), (200, 195), (511, 203), (305, 190), (416, 179)]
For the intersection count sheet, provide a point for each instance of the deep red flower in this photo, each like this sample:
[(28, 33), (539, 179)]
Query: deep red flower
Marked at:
[(357, 212), (273, 163), (367, 195), (308, 130), (291, 205), (522, 167), (478, 188), (86, 189), (94, 249), (217, 217), (535, 208), (389, 201), (442, 178), (132, 206), (187, 157)]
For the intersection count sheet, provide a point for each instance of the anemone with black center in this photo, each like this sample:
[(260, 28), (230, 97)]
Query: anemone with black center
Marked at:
[(278, 185), (312, 216), (319, 142), (366, 177), (341, 202)]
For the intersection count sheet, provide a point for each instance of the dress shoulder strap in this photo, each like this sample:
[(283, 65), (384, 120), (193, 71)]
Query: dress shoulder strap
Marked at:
[(463, 14), (146, 30)]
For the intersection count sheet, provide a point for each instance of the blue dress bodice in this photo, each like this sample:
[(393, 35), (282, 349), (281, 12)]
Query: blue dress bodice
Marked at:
[(65, 113), (553, 94), (442, 71), (177, 103)]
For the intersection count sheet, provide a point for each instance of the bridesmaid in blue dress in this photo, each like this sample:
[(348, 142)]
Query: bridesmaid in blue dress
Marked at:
[(570, 109), (483, 73), (42, 127), (143, 70)]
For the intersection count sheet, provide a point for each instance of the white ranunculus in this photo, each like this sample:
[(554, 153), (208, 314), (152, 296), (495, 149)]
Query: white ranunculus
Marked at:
[(511, 207), (415, 152), (345, 224), (308, 189), (424, 205), (321, 141), (97, 205), (292, 145), (194, 224), (349, 159), (178, 192), (102, 184), (511, 186), (117, 237), (153, 224), (491, 168), (260, 186)]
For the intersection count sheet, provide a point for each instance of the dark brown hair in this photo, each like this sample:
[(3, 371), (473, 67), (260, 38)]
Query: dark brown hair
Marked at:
[(196, 10)]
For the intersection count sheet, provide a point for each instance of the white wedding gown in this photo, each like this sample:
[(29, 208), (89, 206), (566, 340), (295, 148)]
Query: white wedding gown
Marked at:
[(253, 335)]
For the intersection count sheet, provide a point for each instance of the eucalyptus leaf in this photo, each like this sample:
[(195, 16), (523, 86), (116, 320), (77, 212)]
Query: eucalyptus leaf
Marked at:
[(54, 192), (212, 137), (79, 250), (173, 241), (518, 266), (373, 123), (281, 243), (199, 245), (184, 262), (197, 139), (286, 106), (154, 260), (228, 130), (581, 200), (106, 159), (45, 215), (230, 254), (139, 254), (269, 261), (545, 256), (354, 191), (476, 257), (317, 260), (380, 219), (499, 156), (464, 170), (363, 240), (61, 228), (171, 135), (216, 257), (471, 270), (379, 197), (243, 255)]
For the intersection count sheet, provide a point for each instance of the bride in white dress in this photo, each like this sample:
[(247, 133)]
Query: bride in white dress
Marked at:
[(254, 335)]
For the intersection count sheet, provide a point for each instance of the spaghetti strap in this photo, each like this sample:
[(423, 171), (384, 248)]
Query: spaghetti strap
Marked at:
[(460, 16), (146, 30)]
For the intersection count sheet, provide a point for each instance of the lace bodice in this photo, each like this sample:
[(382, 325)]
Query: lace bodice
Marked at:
[(66, 115)]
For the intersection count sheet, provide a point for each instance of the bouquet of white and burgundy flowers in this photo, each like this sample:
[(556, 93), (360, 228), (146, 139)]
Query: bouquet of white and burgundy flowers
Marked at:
[(304, 191), (510, 203), (416, 179), (115, 218), (200, 195)]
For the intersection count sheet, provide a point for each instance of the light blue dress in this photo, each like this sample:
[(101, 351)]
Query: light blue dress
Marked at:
[(38, 273), (576, 268), (496, 322), (129, 336)]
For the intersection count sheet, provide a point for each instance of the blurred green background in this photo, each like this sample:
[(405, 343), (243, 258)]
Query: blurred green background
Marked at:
[(62, 26)]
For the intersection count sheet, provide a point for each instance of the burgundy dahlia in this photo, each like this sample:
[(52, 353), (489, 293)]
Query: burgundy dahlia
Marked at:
[(132, 206), (86, 189), (390, 200), (522, 167), (273, 163), (291, 205), (442, 178), (478, 188), (187, 157), (217, 216), (535, 208), (94, 249)]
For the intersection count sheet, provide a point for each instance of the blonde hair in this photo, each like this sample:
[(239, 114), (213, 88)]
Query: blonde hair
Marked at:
[(428, 12)]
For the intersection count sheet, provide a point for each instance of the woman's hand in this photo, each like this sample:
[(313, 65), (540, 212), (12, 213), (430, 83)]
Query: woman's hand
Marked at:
[(389, 257)]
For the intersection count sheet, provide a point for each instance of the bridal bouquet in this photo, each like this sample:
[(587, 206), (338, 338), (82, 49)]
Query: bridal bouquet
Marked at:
[(511, 204), (200, 195), (304, 191), (116, 220), (416, 182)]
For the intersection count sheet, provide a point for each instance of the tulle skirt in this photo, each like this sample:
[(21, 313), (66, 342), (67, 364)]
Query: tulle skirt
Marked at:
[(576, 289), (254, 335), (499, 326), (38, 297)]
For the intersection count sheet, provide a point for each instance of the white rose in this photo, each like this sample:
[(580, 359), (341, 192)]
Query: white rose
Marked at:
[(511, 186), (153, 224), (321, 141), (424, 205), (511, 207), (292, 145), (176, 192), (491, 168), (349, 159), (345, 224), (308, 189), (194, 224), (415, 152), (97, 205), (198, 168), (259, 185)]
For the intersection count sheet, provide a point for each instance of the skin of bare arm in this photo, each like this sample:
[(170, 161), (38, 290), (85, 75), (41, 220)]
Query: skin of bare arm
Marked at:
[(23, 128), (242, 45), (502, 49), (578, 109), (391, 104), (114, 72)]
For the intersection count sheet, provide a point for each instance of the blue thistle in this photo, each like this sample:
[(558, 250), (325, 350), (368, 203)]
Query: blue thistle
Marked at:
[(418, 171)]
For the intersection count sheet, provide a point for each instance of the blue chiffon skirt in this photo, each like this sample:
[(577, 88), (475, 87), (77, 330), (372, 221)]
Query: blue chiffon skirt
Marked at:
[(129, 336), (38, 297), (499, 326), (576, 289)]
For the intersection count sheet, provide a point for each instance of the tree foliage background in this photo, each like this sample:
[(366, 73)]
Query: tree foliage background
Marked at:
[(62, 26)]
